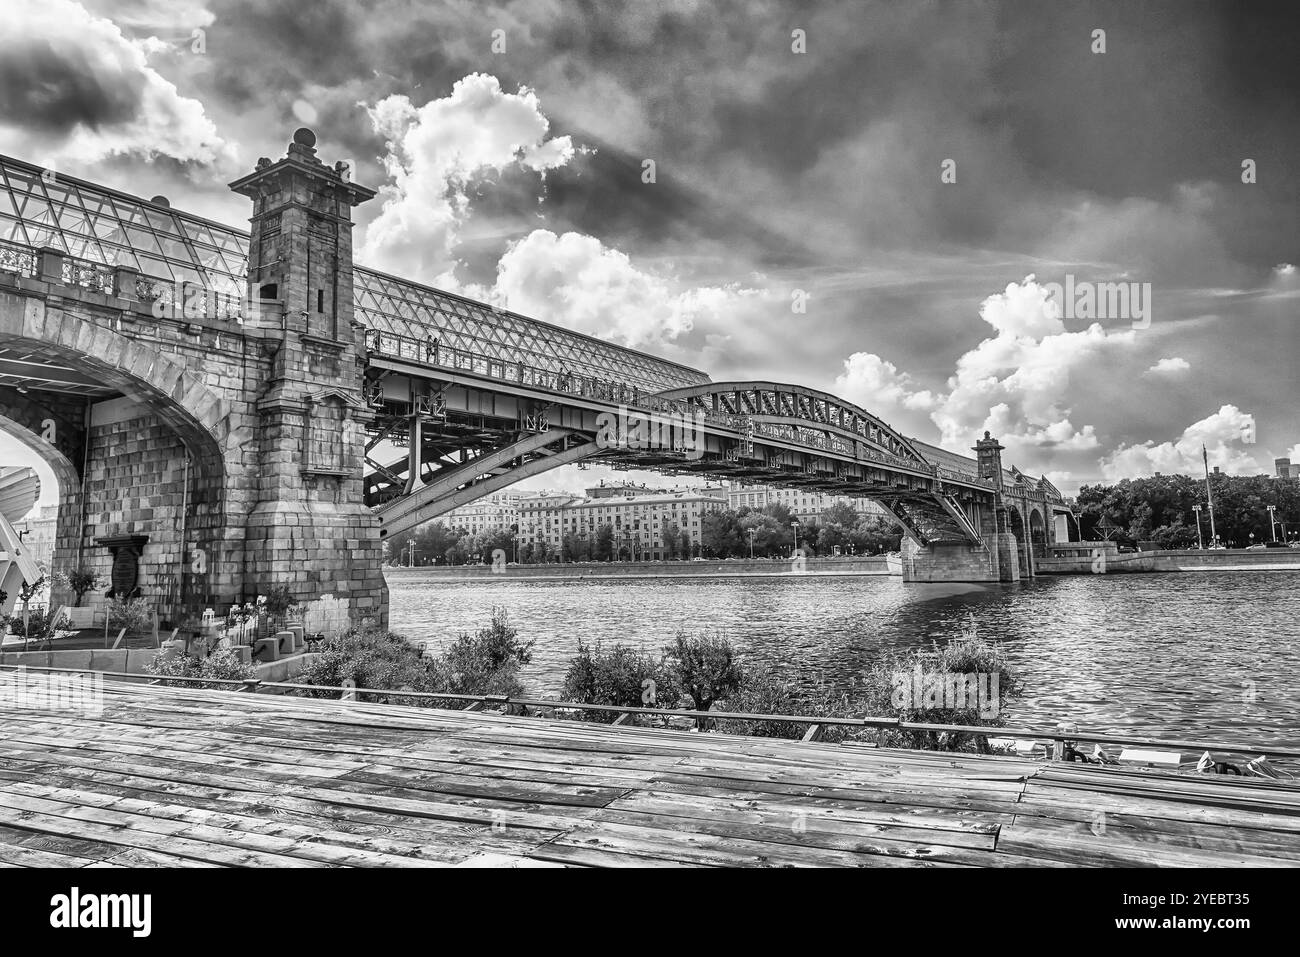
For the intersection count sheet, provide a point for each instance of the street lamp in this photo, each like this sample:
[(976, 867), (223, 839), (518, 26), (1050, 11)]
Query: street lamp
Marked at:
[(795, 526), (1197, 510), (1272, 526), (751, 544)]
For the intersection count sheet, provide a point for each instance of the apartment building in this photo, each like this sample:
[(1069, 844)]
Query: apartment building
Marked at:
[(640, 517), (804, 504), (497, 512)]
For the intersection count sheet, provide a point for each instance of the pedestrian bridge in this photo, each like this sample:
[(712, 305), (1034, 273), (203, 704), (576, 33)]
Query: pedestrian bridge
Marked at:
[(230, 411)]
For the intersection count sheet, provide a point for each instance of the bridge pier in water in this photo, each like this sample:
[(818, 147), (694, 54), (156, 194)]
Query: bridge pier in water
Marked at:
[(1011, 523)]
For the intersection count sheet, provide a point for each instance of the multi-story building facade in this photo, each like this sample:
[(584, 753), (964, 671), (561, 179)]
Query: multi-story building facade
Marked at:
[(37, 531), (805, 505), (498, 512), (641, 518)]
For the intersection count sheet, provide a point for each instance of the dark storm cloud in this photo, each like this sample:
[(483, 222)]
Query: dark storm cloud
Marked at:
[(821, 170), (272, 48), (55, 90)]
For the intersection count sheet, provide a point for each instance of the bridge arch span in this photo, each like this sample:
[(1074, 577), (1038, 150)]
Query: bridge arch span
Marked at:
[(138, 443), (784, 403), (27, 422)]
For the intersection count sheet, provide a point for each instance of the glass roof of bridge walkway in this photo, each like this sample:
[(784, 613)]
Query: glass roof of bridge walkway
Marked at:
[(102, 225)]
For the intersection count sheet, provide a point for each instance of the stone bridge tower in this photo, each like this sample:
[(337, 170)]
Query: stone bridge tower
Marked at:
[(308, 526)]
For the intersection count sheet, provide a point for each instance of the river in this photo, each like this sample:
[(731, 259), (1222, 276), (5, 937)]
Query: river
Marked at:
[(1213, 655)]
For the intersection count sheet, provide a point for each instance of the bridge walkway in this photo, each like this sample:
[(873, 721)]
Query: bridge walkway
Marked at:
[(171, 776)]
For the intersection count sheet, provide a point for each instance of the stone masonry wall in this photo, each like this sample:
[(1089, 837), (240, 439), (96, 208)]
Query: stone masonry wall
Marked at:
[(135, 484)]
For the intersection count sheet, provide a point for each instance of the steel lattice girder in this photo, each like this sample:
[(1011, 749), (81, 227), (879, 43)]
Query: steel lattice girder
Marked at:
[(797, 405), (486, 473)]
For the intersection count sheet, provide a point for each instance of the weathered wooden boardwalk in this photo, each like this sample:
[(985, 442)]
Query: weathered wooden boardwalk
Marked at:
[(168, 776)]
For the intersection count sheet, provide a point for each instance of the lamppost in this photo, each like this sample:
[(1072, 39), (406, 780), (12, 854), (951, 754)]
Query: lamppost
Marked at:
[(795, 526), (751, 544), (1272, 526), (1197, 510)]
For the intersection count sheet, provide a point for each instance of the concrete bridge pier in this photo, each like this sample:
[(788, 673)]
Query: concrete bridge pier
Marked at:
[(1000, 554), (995, 559)]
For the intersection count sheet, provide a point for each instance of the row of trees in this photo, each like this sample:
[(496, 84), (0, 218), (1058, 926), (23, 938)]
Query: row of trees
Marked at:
[(1159, 509), (724, 533), (773, 533)]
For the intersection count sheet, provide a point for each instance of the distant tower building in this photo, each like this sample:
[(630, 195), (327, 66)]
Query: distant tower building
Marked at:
[(1283, 468), (989, 453)]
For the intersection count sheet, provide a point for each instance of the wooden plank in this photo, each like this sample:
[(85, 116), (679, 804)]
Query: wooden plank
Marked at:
[(167, 776)]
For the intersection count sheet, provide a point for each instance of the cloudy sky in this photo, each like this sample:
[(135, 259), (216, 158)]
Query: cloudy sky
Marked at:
[(869, 198)]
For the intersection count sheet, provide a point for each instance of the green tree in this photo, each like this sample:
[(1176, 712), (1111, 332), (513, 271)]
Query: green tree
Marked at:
[(604, 549), (705, 667), (874, 534), (720, 534)]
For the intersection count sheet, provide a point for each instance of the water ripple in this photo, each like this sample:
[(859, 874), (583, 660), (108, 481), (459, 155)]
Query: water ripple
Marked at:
[(1204, 654)]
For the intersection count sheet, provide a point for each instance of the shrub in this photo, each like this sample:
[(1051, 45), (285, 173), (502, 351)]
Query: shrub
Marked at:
[(221, 664), (764, 692), (40, 626), (279, 600), (493, 647), (615, 677), (705, 667), (371, 659), (133, 614), (891, 683), (79, 581), (486, 662)]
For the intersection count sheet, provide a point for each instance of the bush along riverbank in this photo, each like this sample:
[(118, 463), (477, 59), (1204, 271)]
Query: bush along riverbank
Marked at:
[(966, 681)]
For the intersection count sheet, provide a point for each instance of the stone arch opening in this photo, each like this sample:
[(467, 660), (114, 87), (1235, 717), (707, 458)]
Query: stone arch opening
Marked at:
[(48, 543), (145, 454), (1016, 524), (1037, 534)]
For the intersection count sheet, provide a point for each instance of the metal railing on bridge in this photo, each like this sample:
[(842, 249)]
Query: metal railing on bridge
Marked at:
[(431, 352), (192, 300)]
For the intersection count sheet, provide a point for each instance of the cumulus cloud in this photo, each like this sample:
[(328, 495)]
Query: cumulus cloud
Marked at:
[(435, 151), (1220, 433), (1284, 269), (1016, 383), (153, 16), (576, 281), (1169, 366), (74, 89), (878, 386)]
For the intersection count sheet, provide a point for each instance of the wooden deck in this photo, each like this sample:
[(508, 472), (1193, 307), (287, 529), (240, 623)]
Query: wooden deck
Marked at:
[(167, 776)]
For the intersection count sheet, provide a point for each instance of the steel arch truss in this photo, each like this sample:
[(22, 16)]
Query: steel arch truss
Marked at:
[(798, 414), (456, 484), (931, 518)]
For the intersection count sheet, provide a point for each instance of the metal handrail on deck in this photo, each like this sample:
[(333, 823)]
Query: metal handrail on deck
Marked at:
[(897, 724)]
